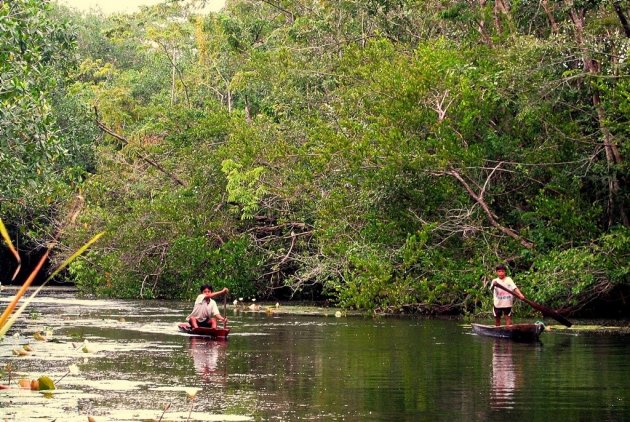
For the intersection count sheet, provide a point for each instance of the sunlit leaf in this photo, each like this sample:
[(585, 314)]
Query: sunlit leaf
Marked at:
[(45, 383), (7, 239)]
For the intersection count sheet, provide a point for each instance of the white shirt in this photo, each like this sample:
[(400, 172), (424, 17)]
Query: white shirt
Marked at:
[(204, 310), (503, 299)]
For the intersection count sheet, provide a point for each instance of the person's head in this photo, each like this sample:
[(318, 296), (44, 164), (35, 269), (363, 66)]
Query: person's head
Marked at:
[(206, 289), (501, 271)]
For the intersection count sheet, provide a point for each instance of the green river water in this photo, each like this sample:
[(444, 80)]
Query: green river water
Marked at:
[(292, 367)]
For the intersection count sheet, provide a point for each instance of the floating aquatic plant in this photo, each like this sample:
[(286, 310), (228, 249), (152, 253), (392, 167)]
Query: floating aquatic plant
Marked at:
[(8, 369), (45, 383), (19, 351), (164, 410), (39, 336), (72, 369), (191, 393), (88, 347)]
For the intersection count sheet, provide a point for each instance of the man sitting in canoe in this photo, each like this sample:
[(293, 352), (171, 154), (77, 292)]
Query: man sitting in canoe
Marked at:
[(206, 312), (502, 299)]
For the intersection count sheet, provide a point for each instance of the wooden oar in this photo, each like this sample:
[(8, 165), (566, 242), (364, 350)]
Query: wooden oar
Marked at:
[(545, 311), (225, 311)]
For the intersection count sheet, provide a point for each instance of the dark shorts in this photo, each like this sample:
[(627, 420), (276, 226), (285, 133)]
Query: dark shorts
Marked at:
[(502, 311), (205, 323)]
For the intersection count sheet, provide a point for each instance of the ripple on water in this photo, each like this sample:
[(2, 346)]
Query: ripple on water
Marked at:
[(304, 368)]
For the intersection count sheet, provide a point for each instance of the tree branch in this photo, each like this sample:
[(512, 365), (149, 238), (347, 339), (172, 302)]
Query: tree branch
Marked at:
[(179, 72), (147, 159), (280, 8), (484, 206)]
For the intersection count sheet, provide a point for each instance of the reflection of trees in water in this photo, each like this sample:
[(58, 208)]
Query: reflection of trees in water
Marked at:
[(209, 358), (288, 367), (506, 376)]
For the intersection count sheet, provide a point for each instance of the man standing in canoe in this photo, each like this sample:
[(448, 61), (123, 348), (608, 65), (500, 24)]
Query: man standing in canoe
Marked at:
[(206, 312), (503, 300)]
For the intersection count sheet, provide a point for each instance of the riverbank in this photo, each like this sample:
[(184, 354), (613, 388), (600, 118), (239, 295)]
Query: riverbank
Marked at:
[(581, 326)]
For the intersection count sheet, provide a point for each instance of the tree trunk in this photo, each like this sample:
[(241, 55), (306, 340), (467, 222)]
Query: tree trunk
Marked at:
[(550, 17), (613, 154), (497, 20), (481, 26), (173, 81), (248, 116), (622, 18)]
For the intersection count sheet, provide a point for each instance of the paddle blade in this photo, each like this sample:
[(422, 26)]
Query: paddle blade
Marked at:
[(562, 320), (549, 313)]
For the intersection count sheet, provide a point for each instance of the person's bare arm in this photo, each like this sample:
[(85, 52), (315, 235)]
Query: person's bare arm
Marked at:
[(225, 290), (222, 318), (519, 294)]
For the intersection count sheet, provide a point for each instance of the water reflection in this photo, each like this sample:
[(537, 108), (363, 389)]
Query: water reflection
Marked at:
[(302, 368), (209, 358), (506, 376)]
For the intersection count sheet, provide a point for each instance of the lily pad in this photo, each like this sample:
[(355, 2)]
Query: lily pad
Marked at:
[(45, 383)]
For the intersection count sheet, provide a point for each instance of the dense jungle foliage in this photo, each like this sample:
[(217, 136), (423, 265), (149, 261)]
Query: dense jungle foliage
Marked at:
[(382, 154)]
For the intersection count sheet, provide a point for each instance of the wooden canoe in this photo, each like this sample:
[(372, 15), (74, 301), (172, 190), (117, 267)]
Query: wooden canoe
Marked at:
[(219, 333), (518, 332)]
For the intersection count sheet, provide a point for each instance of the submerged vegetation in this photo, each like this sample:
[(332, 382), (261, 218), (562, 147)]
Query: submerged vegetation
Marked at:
[(383, 155)]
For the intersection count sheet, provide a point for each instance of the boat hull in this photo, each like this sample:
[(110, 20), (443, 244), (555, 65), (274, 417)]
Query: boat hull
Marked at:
[(517, 332), (218, 333)]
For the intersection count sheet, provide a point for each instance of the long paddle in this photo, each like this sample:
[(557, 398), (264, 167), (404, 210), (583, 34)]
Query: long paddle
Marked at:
[(545, 311), (225, 311)]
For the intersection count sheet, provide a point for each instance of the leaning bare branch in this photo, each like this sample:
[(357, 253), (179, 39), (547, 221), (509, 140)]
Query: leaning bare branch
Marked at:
[(145, 158), (486, 209)]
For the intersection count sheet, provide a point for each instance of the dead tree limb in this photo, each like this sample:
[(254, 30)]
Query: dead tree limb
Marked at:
[(478, 198), (144, 157), (277, 6), (171, 58)]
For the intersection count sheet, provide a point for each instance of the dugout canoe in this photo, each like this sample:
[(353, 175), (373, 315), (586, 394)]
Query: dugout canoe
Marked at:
[(518, 332), (218, 333)]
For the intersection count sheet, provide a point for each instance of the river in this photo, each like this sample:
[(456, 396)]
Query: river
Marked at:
[(136, 366)]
